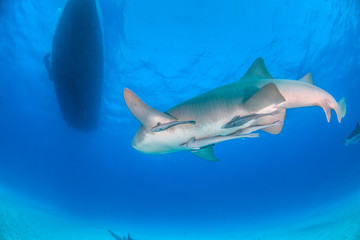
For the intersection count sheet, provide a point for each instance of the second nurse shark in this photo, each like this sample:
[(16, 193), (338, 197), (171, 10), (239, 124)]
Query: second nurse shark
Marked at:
[(256, 102)]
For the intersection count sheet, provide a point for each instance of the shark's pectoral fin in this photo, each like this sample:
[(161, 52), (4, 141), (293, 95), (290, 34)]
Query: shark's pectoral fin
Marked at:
[(308, 79), (257, 71), (147, 115), (206, 153), (279, 119), (266, 98), (263, 103)]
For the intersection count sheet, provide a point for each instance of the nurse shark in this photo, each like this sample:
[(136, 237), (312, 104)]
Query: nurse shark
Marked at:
[(354, 136), (255, 102)]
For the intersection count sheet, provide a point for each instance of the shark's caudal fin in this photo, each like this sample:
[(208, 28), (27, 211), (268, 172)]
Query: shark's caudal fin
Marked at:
[(147, 115), (257, 71), (340, 109)]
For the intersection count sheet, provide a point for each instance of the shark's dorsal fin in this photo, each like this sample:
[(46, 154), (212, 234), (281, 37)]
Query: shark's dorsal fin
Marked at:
[(268, 96), (147, 115), (206, 153), (257, 71), (308, 79)]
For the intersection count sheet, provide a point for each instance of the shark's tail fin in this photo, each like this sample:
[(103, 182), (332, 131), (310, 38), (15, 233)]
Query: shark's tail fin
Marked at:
[(340, 109)]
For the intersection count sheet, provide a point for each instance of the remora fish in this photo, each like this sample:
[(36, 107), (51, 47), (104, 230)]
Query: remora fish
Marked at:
[(354, 136), (256, 97), (197, 144)]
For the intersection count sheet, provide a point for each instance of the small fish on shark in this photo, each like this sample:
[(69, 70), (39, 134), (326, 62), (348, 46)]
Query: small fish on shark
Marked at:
[(163, 126), (238, 121), (354, 136), (196, 144), (255, 102)]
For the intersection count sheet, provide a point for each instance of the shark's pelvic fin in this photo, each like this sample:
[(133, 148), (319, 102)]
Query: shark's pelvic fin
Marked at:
[(163, 126), (308, 79), (266, 98), (147, 115), (206, 153), (279, 119), (257, 71)]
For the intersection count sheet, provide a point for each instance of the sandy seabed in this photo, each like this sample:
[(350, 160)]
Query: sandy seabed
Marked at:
[(27, 220)]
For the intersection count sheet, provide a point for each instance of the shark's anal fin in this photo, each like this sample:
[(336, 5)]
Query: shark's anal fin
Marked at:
[(267, 97), (163, 126), (147, 115), (308, 79), (206, 153)]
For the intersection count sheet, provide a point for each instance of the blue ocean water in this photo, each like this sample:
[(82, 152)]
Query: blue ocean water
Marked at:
[(167, 52)]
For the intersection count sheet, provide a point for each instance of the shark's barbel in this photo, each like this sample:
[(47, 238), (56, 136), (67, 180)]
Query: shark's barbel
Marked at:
[(256, 102)]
